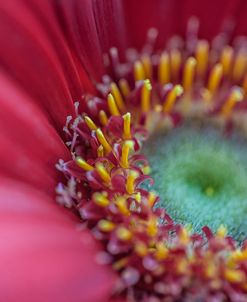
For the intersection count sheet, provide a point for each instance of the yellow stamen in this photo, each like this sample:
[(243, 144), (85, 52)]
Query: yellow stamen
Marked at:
[(100, 151), (226, 59), (83, 164), (147, 65), (127, 123), (234, 276), (240, 65), (103, 140), (100, 199), (152, 227), (127, 146), (189, 73), (215, 78), (120, 263), (139, 73), (176, 91), (176, 60), (145, 96), (161, 251), (117, 96), (141, 249), (106, 225), (91, 125), (103, 117), (112, 105), (222, 231), (202, 52), (122, 205), (123, 234), (235, 96), (151, 198), (130, 184), (103, 172), (184, 236), (164, 69), (124, 86)]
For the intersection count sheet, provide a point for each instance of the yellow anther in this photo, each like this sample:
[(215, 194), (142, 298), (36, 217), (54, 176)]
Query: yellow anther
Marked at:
[(215, 78), (122, 205), (83, 164), (139, 73), (127, 123), (161, 251), (235, 96), (120, 263), (103, 140), (176, 91), (146, 170), (239, 255), (123, 234), (141, 249), (127, 146), (103, 117), (138, 197), (234, 276), (130, 184), (176, 60), (106, 225), (184, 236), (164, 69), (112, 105), (152, 227), (151, 198), (91, 125), (210, 270), (189, 73), (100, 151), (240, 65), (226, 59), (145, 96), (202, 53), (100, 199), (124, 86), (117, 96), (147, 65), (222, 231), (103, 172)]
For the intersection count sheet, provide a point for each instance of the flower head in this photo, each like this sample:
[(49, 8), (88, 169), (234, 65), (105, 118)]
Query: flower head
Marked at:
[(128, 244)]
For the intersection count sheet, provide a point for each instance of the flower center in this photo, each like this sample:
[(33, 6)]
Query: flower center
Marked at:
[(201, 177)]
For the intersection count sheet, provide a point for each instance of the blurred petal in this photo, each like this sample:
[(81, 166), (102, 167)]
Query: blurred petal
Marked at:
[(42, 255), (29, 146), (32, 60)]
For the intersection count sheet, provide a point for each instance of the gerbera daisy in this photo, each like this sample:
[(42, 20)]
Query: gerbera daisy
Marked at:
[(144, 99)]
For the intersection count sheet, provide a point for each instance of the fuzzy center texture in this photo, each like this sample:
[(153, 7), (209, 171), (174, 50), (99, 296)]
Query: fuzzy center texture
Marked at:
[(201, 177)]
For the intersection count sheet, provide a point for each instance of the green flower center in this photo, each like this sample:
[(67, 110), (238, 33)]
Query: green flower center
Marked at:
[(201, 177)]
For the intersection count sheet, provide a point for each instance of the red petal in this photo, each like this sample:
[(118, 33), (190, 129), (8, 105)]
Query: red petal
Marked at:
[(43, 257), (29, 145), (29, 54), (77, 18)]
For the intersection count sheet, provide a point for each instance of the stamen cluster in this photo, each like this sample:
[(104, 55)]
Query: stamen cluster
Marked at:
[(156, 259)]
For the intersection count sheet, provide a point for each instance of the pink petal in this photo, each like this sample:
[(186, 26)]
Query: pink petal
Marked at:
[(43, 256)]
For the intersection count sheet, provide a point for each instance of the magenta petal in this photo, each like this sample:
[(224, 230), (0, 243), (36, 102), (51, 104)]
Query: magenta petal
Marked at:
[(43, 256)]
